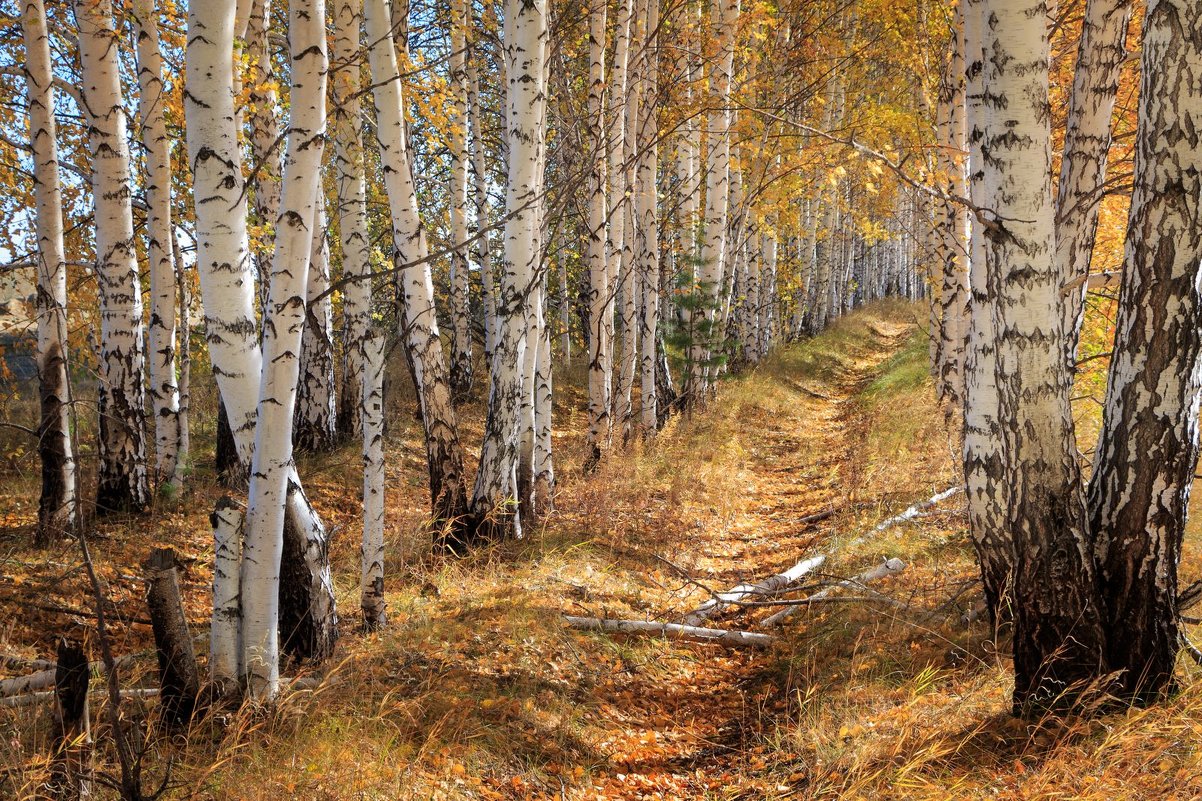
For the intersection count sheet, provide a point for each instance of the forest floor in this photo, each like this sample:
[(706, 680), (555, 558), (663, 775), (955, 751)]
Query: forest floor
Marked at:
[(478, 689)]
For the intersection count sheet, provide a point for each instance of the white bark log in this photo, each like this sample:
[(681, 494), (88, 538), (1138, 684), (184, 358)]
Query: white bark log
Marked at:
[(768, 586), (890, 567), (747, 638)]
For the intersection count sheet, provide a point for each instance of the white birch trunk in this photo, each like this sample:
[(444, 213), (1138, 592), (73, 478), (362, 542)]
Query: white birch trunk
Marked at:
[(1087, 136), (461, 339), (164, 392), (647, 228), (953, 222), (225, 630), (717, 168), (253, 23), (228, 292), (122, 483), (618, 202), (313, 428), (352, 207), (371, 582), (1058, 637), (482, 250), (419, 324), (525, 28), (600, 356), (983, 461), (272, 463), (628, 279), (1147, 452), (58, 505)]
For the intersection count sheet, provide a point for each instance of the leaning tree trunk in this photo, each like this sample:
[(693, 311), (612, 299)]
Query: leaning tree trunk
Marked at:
[(1100, 58), (1148, 449), (495, 488), (122, 484), (600, 355), (419, 324), (461, 314), (1058, 636), (352, 208), (308, 616), (984, 474), (272, 463), (313, 429), (59, 503), (164, 391)]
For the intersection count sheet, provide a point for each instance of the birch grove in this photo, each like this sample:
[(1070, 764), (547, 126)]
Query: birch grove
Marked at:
[(737, 214)]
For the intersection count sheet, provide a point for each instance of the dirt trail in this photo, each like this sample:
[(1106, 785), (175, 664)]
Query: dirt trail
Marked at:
[(684, 727)]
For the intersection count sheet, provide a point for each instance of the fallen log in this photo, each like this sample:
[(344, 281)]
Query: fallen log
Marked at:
[(745, 638), (29, 699), (768, 586), (21, 663), (45, 678), (909, 514), (887, 568)]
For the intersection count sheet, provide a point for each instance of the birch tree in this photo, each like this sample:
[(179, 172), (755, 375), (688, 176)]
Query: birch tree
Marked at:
[(58, 505), (953, 222), (283, 329), (496, 480), (983, 458), (371, 582), (313, 428), (717, 176), (164, 391), (1087, 137), (1058, 638), (352, 206), (419, 324), (647, 228), (482, 249), (308, 617), (122, 483), (600, 357), (1148, 448), (461, 339)]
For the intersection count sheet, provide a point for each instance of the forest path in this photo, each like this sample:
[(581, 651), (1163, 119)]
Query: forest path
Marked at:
[(685, 723)]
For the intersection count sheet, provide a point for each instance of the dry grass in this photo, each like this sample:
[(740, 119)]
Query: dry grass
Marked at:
[(478, 691)]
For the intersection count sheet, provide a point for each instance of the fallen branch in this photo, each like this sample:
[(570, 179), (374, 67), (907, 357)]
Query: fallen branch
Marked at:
[(768, 586), (29, 699), (45, 678), (887, 568), (909, 514), (21, 663), (746, 638)]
